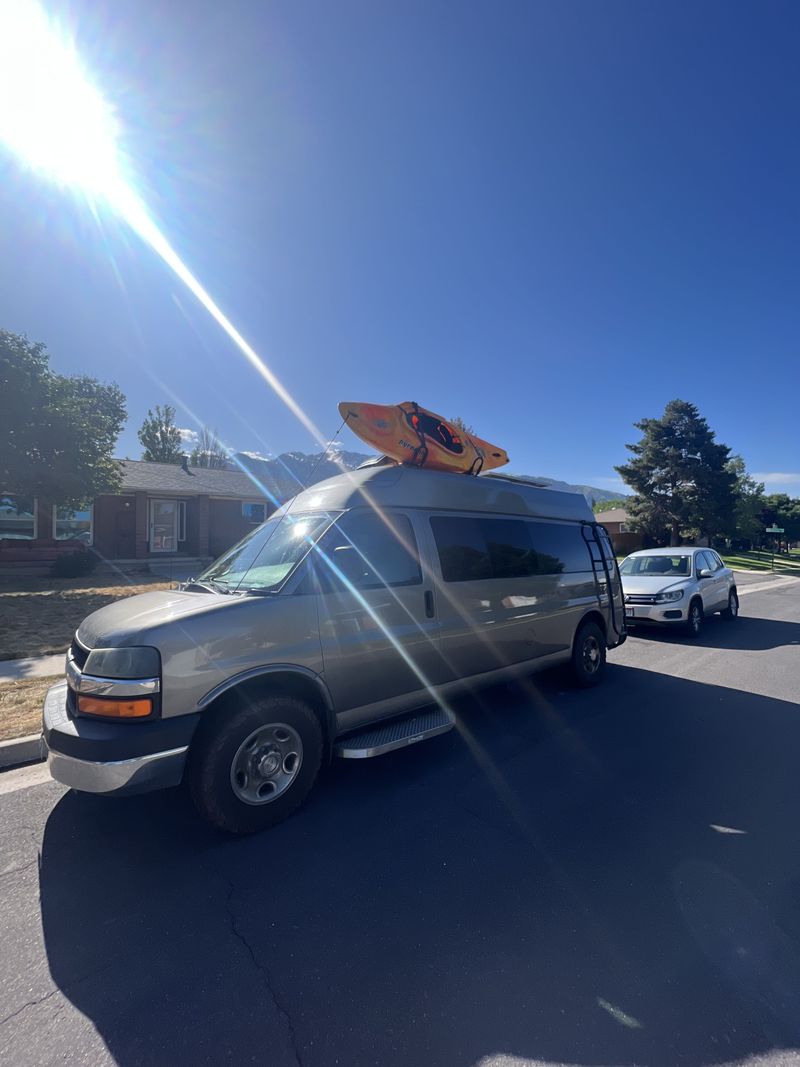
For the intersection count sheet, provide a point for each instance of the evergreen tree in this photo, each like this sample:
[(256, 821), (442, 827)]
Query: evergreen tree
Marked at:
[(680, 476)]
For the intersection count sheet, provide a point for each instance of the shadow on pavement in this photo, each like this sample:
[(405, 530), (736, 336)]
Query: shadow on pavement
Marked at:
[(747, 633), (605, 877)]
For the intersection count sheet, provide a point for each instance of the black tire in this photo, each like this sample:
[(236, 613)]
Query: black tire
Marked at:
[(219, 747), (732, 611), (588, 655), (693, 626)]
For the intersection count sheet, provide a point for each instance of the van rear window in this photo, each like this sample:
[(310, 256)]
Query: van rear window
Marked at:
[(474, 549)]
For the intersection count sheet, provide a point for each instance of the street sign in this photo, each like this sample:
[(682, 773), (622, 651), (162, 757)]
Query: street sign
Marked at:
[(775, 529)]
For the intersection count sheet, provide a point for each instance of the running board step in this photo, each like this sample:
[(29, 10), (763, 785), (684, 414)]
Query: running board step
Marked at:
[(396, 734)]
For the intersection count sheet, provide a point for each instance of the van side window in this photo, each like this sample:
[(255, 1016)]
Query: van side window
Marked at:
[(560, 548), (473, 549), (463, 553), (605, 541), (369, 551), (511, 553)]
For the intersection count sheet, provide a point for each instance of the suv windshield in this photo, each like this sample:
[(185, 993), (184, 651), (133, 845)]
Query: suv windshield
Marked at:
[(653, 566), (266, 557)]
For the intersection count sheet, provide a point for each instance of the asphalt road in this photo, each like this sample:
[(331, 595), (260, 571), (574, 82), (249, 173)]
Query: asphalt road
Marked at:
[(607, 877)]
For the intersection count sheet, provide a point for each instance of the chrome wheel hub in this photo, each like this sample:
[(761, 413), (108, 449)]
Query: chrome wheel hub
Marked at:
[(266, 763)]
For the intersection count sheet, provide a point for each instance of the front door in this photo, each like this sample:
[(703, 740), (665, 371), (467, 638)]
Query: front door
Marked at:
[(376, 614), (163, 525)]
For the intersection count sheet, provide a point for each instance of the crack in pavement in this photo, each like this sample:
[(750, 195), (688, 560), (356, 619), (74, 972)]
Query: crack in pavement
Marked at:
[(66, 990), (18, 870), (29, 1004), (263, 971)]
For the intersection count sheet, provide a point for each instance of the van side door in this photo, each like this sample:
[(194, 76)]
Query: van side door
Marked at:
[(511, 589), (378, 631)]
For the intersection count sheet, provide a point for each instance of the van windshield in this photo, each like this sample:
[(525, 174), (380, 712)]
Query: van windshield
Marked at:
[(268, 555)]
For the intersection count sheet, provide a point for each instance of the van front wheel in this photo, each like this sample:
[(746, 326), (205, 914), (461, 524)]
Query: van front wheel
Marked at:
[(588, 655), (249, 770)]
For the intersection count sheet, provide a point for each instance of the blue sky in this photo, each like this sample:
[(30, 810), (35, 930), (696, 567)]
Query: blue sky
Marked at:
[(548, 218)]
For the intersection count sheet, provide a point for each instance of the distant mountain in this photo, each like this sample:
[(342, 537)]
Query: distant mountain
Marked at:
[(591, 492), (287, 474)]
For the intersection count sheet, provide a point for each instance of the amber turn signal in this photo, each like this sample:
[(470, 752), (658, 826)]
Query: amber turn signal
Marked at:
[(116, 709)]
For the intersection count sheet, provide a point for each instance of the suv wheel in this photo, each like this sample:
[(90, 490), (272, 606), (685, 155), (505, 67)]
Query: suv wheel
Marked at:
[(694, 623), (588, 655), (732, 610), (249, 770)]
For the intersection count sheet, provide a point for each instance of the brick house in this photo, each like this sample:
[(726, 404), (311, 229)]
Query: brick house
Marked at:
[(622, 537), (161, 511)]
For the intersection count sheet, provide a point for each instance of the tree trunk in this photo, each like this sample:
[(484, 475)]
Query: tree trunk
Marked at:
[(675, 538)]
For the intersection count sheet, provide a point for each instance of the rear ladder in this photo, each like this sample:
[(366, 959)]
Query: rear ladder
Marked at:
[(603, 560)]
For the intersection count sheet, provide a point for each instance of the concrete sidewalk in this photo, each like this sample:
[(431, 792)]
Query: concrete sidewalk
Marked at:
[(14, 670)]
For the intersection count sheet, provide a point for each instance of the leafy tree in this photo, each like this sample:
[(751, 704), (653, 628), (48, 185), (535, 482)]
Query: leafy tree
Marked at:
[(59, 432), (680, 476), (209, 451), (779, 509), (609, 505), (749, 501), (160, 437), (459, 424)]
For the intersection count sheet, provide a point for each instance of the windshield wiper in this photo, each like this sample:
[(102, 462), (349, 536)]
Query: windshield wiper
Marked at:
[(208, 584)]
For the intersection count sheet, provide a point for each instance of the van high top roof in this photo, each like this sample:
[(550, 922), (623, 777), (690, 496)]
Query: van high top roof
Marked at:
[(410, 487)]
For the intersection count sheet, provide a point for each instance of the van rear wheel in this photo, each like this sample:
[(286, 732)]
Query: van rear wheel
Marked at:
[(249, 770), (588, 655)]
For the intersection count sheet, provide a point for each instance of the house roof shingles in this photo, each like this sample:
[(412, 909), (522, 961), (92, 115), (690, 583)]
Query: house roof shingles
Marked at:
[(139, 475), (614, 515)]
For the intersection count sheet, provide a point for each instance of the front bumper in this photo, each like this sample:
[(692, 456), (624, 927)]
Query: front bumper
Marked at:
[(669, 614), (110, 757)]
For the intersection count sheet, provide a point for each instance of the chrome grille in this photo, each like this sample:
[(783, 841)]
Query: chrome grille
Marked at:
[(79, 654), (637, 598)]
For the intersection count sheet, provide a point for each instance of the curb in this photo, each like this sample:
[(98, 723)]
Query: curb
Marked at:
[(20, 750)]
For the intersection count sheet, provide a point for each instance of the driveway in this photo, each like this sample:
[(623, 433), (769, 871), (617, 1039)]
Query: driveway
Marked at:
[(572, 877)]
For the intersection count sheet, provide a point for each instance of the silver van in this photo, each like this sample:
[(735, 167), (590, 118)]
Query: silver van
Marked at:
[(341, 626)]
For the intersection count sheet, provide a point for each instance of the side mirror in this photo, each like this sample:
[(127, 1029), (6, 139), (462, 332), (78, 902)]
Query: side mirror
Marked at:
[(704, 573)]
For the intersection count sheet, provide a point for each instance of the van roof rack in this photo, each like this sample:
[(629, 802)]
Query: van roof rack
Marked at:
[(521, 479)]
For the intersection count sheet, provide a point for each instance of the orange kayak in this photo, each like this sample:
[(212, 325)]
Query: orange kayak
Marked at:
[(413, 435)]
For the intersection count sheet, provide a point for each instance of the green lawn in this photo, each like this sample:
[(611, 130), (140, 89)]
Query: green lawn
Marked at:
[(762, 561), (758, 561)]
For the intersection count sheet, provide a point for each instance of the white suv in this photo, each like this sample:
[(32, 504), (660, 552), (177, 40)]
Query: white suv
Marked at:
[(677, 587)]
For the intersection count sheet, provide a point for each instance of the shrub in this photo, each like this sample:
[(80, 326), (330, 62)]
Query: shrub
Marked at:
[(74, 565)]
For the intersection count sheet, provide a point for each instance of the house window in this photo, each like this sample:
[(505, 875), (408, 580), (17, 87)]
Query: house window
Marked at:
[(181, 520), (17, 517), (72, 524), (624, 528), (255, 513)]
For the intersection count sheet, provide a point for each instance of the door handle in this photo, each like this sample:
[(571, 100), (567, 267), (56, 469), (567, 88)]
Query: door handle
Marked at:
[(429, 604)]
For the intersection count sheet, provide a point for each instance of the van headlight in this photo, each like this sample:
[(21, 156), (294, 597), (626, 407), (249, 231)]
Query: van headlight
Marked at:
[(140, 662), (118, 683), (669, 598)]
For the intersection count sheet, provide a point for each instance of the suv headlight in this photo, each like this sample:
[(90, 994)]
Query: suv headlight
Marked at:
[(669, 598)]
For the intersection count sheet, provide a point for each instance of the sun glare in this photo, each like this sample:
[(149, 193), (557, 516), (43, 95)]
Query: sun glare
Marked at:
[(51, 116), (54, 119)]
